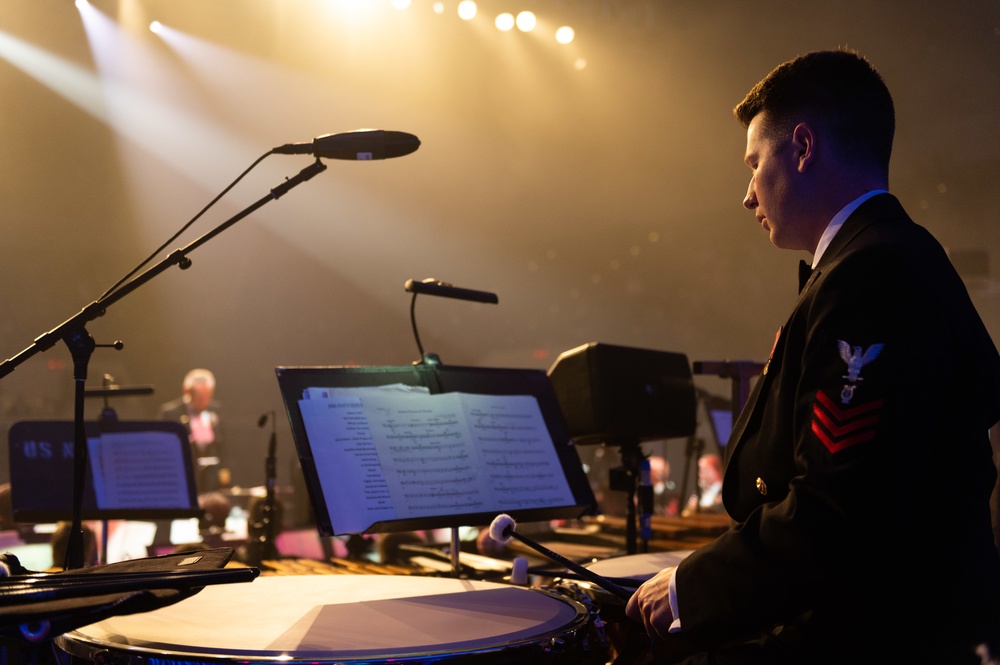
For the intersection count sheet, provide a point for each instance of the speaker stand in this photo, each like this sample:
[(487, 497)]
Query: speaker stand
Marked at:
[(632, 477)]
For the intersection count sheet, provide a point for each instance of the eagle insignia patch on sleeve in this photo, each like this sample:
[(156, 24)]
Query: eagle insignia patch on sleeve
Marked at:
[(856, 358)]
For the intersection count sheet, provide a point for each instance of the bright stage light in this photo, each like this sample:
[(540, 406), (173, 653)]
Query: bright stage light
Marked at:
[(505, 22), (565, 35), (467, 10), (401, 4), (80, 4), (526, 21), (439, 8), (155, 27)]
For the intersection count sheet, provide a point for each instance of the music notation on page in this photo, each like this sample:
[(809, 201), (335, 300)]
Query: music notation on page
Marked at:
[(384, 454)]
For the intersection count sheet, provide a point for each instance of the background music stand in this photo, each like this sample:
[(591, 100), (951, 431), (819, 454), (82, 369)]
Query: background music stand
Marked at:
[(41, 466), (436, 379)]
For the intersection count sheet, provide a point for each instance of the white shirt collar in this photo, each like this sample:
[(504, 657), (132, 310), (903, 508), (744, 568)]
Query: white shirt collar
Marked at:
[(838, 221)]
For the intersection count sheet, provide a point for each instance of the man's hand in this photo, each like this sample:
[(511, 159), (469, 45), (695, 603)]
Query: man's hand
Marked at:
[(650, 605)]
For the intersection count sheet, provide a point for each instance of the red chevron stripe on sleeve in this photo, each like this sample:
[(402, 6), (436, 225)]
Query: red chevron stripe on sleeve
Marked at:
[(838, 428)]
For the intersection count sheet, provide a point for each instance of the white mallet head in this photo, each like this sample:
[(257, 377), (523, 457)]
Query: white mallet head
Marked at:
[(502, 528)]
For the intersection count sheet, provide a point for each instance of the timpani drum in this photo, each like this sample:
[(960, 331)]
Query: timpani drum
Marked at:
[(326, 619), (627, 641)]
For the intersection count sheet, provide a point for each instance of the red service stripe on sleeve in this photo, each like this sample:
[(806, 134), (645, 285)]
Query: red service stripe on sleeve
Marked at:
[(845, 414), (836, 446), (838, 428)]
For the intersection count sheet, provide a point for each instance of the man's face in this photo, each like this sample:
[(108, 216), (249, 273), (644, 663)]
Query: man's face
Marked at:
[(201, 395), (774, 194)]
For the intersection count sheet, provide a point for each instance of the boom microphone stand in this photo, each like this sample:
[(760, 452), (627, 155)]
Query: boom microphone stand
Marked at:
[(74, 333)]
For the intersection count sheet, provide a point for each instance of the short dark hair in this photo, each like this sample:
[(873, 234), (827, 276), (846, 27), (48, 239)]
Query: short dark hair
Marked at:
[(838, 89)]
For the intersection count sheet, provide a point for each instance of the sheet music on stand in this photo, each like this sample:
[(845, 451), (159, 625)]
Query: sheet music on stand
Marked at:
[(424, 447), (137, 470)]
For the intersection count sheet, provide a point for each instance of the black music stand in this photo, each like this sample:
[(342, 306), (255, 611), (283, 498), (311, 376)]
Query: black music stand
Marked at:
[(111, 389), (135, 471), (412, 461)]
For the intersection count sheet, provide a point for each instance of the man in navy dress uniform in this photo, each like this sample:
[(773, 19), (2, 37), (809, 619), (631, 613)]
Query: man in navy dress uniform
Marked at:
[(859, 472)]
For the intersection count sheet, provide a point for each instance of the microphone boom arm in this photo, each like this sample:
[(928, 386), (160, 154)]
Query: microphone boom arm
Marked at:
[(177, 257), (73, 331)]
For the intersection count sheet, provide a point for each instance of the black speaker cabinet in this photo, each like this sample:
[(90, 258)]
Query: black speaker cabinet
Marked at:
[(617, 394)]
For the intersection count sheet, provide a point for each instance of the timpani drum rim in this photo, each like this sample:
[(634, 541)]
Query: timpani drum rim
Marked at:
[(97, 643)]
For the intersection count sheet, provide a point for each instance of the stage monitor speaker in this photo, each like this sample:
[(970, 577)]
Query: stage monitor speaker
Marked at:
[(617, 394)]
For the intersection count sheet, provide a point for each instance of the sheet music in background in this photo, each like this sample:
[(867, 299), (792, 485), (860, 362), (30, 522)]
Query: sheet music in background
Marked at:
[(138, 470), (385, 455)]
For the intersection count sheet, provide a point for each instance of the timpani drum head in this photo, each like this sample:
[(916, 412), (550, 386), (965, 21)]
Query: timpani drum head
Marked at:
[(340, 619), (639, 567)]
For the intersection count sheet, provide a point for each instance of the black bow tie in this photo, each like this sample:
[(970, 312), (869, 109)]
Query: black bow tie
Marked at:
[(805, 270)]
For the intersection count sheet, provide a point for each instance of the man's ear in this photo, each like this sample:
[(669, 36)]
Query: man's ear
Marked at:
[(804, 145)]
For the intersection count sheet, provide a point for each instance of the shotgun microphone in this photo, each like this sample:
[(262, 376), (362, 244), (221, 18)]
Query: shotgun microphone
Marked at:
[(435, 287), (361, 145)]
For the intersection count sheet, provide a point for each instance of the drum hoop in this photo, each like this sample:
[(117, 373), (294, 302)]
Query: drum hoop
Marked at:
[(83, 646)]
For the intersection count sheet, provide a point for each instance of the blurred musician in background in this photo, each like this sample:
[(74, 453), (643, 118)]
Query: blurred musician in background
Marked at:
[(708, 498), (198, 410), (665, 494), (860, 471)]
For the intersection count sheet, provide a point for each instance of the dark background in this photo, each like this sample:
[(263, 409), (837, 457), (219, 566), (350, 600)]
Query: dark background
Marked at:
[(601, 203)]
